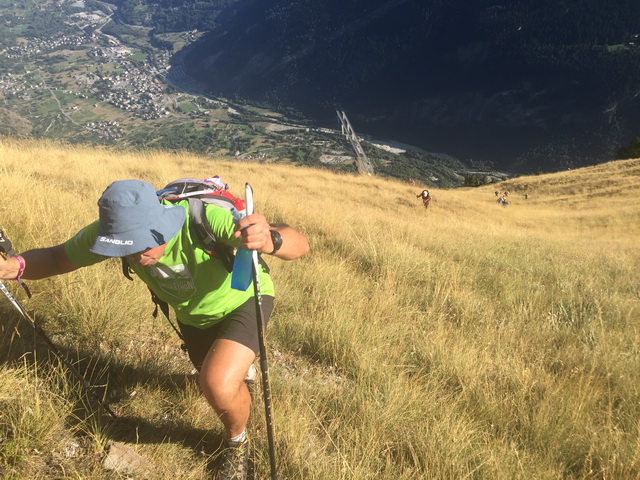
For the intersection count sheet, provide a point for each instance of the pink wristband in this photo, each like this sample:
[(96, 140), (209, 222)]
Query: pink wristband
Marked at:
[(19, 276), (21, 269)]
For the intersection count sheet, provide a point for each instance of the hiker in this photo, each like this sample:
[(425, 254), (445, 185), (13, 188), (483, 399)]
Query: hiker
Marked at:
[(426, 198), (218, 324)]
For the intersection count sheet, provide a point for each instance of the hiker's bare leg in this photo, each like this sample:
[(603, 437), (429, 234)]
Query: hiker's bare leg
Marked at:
[(222, 382)]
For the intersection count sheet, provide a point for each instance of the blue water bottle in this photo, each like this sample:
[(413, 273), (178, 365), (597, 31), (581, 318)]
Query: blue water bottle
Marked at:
[(241, 275)]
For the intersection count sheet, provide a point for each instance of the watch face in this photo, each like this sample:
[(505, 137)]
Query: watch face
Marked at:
[(276, 239)]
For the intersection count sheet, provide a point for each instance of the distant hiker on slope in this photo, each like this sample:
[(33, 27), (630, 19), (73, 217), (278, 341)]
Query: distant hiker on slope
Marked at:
[(218, 323), (426, 198)]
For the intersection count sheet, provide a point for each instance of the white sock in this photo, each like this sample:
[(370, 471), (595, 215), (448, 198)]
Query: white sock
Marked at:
[(238, 439)]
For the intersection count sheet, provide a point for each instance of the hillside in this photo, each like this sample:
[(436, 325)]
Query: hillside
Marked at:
[(523, 87), (527, 86), (466, 340)]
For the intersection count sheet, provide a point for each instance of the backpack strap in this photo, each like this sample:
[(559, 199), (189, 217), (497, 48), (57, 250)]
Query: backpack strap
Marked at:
[(126, 269), (159, 303), (164, 307), (203, 234)]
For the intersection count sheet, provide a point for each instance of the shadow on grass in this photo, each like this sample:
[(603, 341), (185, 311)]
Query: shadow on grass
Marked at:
[(110, 381)]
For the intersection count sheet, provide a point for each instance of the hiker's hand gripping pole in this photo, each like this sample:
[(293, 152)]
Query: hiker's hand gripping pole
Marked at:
[(5, 245), (6, 250)]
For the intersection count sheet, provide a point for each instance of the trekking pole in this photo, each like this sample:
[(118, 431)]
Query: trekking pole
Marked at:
[(264, 371), (5, 247)]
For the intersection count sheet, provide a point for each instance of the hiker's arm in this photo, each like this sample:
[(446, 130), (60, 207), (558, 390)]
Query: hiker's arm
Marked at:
[(294, 244), (254, 233), (39, 263)]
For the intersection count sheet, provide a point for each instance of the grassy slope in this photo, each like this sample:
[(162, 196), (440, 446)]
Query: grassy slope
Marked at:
[(466, 341)]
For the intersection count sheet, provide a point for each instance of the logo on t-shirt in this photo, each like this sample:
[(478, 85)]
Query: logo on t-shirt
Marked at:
[(175, 280)]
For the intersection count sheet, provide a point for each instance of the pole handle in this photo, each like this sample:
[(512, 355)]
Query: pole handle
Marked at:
[(6, 248)]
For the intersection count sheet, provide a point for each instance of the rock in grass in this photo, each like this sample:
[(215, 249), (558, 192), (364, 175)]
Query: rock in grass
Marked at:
[(125, 460)]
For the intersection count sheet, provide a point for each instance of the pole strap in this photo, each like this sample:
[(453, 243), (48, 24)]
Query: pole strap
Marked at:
[(19, 276)]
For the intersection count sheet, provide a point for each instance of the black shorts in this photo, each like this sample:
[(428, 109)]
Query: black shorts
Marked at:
[(240, 326)]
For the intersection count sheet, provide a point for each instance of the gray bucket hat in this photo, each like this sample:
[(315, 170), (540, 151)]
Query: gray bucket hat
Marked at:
[(132, 219)]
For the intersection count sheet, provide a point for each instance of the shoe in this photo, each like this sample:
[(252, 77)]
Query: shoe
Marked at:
[(235, 461)]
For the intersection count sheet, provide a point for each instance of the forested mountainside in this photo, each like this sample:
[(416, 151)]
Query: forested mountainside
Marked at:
[(528, 84)]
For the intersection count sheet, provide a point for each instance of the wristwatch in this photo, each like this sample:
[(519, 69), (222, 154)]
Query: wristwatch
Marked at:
[(276, 238)]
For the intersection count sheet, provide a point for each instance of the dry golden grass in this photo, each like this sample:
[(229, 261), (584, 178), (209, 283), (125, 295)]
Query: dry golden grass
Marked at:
[(463, 341)]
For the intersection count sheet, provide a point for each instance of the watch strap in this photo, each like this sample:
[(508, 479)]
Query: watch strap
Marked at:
[(276, 239)]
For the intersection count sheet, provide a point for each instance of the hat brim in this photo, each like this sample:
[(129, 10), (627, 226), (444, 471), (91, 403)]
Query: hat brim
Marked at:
[(162, 229)]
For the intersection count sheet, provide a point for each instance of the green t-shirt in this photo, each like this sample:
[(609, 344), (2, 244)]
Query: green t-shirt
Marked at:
[(197, 286)]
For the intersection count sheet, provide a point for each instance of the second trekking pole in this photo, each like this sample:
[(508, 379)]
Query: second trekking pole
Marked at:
[(6, 249), (88, 387)]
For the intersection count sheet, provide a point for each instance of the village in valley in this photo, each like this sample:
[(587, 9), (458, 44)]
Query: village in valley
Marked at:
[(92, 80)]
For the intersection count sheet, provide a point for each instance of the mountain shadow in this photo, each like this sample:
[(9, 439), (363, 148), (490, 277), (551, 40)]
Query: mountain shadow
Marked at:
[(528, 85)]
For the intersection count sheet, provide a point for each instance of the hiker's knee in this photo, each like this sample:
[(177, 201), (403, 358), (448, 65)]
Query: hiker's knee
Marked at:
[(220, 388), (223, 371)]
